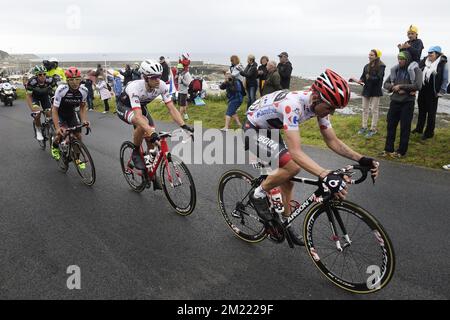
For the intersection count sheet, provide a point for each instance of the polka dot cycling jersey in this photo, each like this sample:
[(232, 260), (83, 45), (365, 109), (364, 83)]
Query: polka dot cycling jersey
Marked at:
[(284, 110)]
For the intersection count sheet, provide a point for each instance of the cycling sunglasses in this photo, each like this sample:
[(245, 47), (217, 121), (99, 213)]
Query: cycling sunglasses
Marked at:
[(152, 77)]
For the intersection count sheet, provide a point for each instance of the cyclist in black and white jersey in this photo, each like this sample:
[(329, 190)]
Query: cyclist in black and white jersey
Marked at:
[(285, 110), (69, 99), (132, 107)]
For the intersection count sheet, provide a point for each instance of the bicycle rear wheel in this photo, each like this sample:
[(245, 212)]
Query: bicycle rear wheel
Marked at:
[(235, 206), (135, 178), (360, 259), (42, 143), (83, 162), (178, 185)]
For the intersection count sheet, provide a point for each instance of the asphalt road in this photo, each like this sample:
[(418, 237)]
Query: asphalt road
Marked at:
[(133, 246)]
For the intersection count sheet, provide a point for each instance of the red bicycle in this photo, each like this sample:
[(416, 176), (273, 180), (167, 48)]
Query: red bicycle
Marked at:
[(176, 180)]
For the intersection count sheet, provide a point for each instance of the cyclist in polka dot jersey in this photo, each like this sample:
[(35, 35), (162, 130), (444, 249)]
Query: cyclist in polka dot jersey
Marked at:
[(285, 110)]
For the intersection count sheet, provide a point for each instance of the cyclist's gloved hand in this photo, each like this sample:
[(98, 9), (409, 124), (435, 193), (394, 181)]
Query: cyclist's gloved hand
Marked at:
[(187, 128), (335, 184), (153, 137), (372, 164)]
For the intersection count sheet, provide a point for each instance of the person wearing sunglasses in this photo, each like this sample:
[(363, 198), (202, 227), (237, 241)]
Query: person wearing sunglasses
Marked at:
[(39, 90), (132, 107), (69, 109), (286, 110)]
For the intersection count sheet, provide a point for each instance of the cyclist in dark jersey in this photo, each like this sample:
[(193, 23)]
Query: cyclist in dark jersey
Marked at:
[(68, 99), (39, 89)]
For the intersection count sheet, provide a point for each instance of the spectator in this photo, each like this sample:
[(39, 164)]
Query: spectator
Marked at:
[(105, 93), (99, 71), (435, 81), (251, 83), (272, 83), (402, 103), (135, 73), (414, 45), (90, 97), (234, 95), (166, 69), (372, 79), (236, 68), (184, 80), (185, 60), (262, 72), (175, 81), (117, 85), (285, 70), (127, 75), (25, 81)]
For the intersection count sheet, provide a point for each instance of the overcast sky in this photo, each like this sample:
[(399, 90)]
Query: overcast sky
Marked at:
[(225, 26)]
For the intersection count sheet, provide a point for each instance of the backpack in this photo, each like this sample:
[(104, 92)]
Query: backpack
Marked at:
[(108, 86), (196, 85)]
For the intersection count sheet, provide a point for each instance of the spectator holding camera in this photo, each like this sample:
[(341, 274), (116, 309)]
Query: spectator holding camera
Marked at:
[(234, 90)]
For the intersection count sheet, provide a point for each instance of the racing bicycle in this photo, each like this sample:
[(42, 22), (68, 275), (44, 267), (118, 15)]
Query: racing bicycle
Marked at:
[(344, 241), (175, 177)]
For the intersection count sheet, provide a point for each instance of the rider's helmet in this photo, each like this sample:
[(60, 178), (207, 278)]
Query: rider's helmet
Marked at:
[(38, 69), (72, 72), (54, 61), (150, 68), (333, 89)]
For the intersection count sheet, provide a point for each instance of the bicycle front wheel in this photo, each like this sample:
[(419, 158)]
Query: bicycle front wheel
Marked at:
[(83, 162), (178, 185), (135, 178), (235, 206), (349, 246)]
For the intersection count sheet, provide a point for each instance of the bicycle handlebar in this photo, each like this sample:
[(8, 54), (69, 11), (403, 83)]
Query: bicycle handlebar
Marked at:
[(164, 134), (347, 171), (71, 129)]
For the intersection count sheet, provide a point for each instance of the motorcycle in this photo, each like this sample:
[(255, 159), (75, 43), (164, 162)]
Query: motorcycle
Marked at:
[(7, 94)]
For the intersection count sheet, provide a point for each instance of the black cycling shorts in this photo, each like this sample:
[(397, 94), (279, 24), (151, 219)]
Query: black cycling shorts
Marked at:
[(69, 120), (42, 101), (261, 141)]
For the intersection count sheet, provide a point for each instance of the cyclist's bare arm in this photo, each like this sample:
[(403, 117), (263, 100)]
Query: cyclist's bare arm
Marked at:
[(335, 144), (176, 116), (300, 157), (83, 113), (55, 118), (141, 121)]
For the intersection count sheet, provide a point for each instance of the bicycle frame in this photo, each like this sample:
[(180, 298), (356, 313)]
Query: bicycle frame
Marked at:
[(162, 155)]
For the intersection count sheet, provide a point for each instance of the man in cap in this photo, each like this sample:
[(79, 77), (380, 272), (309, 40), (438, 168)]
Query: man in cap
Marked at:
[(285, 70), (401, 108)]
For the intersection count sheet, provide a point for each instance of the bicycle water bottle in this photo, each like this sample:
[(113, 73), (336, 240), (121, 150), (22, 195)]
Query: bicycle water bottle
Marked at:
[(277, 200)]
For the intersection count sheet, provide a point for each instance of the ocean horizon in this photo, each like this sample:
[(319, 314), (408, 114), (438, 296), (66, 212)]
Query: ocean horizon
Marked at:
[(305, 66)]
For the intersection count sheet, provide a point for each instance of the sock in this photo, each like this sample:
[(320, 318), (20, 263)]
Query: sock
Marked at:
[(260, 193)]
